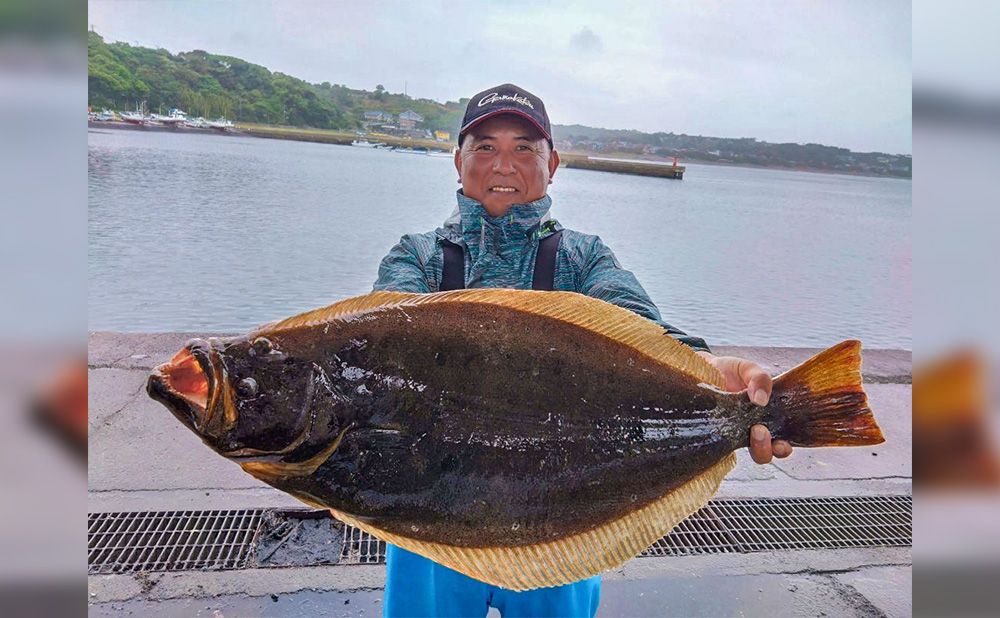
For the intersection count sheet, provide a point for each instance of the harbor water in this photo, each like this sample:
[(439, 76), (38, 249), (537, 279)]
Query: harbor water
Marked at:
[(211, 233)]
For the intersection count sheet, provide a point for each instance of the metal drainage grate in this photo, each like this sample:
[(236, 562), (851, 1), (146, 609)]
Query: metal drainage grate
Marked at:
[(169, 541), (815, 523), (701, 533), (361, 548), (129, 542), (746, 525)]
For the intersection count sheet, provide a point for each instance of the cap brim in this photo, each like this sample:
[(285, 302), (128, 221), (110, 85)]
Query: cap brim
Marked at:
[(505, 110)]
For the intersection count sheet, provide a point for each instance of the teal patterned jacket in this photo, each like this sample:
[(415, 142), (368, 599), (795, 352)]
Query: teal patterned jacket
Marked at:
[(500, 253)]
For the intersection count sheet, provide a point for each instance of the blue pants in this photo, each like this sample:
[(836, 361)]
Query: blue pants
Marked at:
[(416, 586)]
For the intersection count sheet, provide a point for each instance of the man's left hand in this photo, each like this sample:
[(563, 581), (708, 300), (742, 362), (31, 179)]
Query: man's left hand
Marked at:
[(741, 374)]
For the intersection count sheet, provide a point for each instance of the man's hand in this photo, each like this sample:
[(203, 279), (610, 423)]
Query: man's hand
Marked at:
[(741, 374)]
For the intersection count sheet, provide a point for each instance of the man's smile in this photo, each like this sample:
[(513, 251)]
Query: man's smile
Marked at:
[(499, 189)]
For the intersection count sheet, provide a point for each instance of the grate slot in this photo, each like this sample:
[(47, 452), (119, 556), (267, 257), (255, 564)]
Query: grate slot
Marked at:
[(158, 546), (361, 548)]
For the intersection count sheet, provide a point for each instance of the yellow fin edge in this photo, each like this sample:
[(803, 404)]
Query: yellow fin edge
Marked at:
[(598, 316), (577, 557)]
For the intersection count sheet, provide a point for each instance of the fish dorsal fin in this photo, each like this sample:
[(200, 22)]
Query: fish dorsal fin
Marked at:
[(597, 316), (339, 311), (577, 557)]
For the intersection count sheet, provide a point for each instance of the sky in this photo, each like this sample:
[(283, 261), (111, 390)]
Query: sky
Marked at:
[(836, 73)]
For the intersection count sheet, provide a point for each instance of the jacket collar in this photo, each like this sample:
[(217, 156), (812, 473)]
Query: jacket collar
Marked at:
[(469, 221)]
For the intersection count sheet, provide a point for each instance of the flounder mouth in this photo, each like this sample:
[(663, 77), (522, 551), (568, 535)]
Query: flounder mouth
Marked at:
[(187, 385)]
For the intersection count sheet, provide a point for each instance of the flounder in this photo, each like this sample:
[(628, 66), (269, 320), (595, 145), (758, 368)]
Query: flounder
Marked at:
[(526, 439)]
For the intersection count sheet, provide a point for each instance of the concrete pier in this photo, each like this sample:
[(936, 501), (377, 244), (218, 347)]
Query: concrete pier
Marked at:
[(622, 166), (142, 459)]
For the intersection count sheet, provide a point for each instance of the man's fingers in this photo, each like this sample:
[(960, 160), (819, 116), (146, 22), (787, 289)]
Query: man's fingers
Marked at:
[(781, 449), (758, 382), (760, 444), (742, 374)]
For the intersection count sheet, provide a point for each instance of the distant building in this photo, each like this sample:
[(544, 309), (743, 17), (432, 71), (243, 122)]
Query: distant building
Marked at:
[(442, 136), (377, 118), (409, 120)]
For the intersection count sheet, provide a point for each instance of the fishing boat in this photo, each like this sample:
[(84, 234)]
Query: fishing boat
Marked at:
[(174, 118), (407, 150), (363, 143), (220, 124), (134, 118)]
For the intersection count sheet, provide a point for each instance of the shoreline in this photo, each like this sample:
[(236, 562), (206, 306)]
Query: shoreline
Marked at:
[(340, 138)]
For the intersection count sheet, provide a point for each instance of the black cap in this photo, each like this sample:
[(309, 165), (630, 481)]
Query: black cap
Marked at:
[(506, 99)]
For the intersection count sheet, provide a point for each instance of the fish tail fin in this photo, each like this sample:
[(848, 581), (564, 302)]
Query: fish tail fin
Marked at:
[(821, 402)]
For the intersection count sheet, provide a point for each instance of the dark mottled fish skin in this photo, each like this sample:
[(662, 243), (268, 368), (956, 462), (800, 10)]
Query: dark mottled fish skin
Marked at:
[(525, 439), (468, 427)]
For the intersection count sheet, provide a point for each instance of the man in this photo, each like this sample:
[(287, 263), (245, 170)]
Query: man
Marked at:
[(505, 163)]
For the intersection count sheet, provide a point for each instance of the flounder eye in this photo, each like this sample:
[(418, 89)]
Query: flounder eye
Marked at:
[(247, 387), (262, 345)]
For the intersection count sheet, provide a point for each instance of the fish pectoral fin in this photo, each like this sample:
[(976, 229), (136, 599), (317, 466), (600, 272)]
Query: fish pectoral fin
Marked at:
[(577, 557), (276, 470)]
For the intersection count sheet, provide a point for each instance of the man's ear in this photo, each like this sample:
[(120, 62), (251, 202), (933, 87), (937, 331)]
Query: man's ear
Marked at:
[(553, 164), (458, 162)]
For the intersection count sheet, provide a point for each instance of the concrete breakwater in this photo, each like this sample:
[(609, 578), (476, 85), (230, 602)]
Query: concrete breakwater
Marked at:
[(623, 166), (321, 136), (340, 138)]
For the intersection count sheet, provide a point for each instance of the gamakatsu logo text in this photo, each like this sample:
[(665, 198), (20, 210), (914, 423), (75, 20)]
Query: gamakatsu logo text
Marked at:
[(496, 96)]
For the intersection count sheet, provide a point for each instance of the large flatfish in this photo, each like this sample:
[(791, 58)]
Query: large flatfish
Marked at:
[(526, 439)]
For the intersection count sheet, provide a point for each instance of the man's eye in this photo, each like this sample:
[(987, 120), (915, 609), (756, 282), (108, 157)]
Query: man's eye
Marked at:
[(486, 147)]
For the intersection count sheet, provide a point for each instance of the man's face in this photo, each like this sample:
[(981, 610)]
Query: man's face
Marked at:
[(503, 161)]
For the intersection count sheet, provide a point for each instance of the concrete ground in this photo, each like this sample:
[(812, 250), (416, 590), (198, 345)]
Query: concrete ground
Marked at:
[(142, 459)]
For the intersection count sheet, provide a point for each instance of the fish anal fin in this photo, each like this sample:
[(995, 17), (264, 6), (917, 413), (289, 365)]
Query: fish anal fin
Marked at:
[(573, 558)]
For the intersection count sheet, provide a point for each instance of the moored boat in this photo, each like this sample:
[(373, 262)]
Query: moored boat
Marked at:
[(175, 118), (221, 124), (407, 150), (134, 118)]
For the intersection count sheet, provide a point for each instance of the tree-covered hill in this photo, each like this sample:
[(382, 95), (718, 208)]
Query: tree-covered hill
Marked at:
[(121, 76)]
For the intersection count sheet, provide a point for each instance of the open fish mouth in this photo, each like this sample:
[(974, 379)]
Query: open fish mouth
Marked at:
[(187, 384)]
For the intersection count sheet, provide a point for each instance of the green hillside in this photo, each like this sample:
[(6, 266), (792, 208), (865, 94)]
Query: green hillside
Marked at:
[(203, 84)]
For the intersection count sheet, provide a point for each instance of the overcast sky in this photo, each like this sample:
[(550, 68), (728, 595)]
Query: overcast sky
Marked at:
[(836, 73)]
